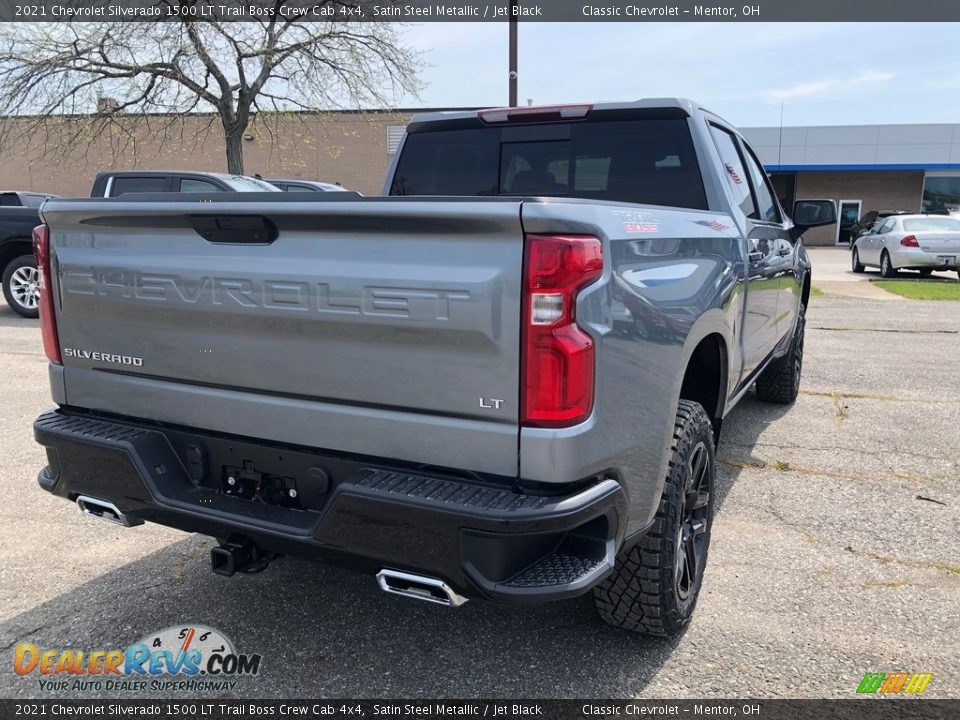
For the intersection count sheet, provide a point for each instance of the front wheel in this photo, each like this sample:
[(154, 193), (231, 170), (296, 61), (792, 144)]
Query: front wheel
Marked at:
[(855, 263), (780, 382), (21, 286), (887, 269), (655, 584)]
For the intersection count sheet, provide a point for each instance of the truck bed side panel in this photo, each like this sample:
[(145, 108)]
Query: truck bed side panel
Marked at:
[(671, 278)]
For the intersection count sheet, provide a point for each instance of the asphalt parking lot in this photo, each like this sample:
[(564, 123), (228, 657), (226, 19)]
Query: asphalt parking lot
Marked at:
[(834, 553)]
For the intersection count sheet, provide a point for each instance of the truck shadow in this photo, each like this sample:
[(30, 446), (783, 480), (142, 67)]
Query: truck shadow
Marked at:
[(741, 431), (328, 632), (8, 318)]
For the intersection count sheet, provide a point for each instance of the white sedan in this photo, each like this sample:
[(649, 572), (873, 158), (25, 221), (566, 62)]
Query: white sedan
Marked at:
[(909, 242)]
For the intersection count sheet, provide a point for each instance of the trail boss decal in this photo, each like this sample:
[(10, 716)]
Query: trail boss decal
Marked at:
[(637, 221)]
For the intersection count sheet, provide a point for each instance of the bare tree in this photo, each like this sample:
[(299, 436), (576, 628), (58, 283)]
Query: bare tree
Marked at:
[(77, 83)]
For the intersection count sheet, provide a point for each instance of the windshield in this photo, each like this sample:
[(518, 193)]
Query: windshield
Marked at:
[(642, 161), (242, 183), (935, 224)]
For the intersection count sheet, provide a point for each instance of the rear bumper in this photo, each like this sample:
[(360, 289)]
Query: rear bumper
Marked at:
[(483, 540), (921, 259)]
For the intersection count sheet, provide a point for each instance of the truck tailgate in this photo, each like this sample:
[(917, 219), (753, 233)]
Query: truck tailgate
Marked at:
[(371, 326)]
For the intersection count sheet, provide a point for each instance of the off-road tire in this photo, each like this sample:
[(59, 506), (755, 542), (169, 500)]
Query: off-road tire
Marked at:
[(14, 273), (855, 263), (887, 269), (780, 382), (646, 592)]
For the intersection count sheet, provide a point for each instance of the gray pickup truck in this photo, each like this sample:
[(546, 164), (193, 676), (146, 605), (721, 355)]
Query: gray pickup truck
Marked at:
[(505, 380)]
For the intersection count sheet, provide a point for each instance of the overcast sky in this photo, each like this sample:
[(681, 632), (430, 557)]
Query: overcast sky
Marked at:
[(823, 73)]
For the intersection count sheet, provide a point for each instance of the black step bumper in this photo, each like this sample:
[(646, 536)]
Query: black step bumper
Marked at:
[(484, 540)]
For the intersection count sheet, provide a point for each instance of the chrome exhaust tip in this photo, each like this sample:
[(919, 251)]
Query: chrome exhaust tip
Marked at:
[(106, 511), (419, 587)]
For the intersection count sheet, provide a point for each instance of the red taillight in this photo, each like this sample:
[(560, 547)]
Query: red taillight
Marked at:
[(557, 381), (535, 113), (910, 241), (48, 323)]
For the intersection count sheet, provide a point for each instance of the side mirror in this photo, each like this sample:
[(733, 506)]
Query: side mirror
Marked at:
[(812, 213)]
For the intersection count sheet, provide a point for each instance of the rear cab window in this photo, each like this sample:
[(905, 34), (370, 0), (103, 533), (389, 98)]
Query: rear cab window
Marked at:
[(650, 161)]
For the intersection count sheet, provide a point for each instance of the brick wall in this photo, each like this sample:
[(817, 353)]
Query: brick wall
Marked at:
[(349, 148), (879, 190)]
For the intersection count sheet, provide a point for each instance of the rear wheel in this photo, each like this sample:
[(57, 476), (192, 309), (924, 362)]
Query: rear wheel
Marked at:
[(21, 286), (855, 263), (654, 587), (780, 382), (887, 269)]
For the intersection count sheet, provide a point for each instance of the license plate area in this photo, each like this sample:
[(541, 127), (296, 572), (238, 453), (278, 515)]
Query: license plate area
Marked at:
[(946, 260)]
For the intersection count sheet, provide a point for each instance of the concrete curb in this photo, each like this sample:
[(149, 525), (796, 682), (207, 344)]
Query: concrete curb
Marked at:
[(864, 290)]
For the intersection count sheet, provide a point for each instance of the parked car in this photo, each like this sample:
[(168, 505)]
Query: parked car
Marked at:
[(114, 183), (23, 198), (919, 242), (431, 388), (18, 268), (306, 186), (866, 223)]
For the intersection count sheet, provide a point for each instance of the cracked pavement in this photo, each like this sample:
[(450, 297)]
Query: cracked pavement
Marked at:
[(835, 552)]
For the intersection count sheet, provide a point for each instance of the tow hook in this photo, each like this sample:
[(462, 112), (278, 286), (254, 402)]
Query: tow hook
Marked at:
[(236, 556)]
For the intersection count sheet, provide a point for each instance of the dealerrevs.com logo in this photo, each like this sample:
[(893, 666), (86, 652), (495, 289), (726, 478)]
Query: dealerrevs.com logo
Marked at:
[(184, 657)]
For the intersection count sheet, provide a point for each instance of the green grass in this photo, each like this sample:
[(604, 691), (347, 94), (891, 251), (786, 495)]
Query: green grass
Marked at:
[(922, 289), (816, 292)]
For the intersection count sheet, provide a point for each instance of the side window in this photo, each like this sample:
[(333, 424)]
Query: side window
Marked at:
[(123, 185), (733, 166), (886, 227), (191, 185), (766, 200), (34, 201)]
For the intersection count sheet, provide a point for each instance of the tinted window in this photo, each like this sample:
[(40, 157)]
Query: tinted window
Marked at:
[(935, 224), (122, 185), (449, 162), (190, 185), (941, 194), (761, 187), (643, 161), (9, 200), (736, 175), (296, 187)]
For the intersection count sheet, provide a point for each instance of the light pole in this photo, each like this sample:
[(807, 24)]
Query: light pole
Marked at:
[(512, 22)]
